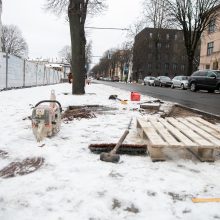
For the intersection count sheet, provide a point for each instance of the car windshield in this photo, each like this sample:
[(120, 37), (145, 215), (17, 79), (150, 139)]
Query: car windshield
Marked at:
[(217, 73), (184, 78), (152, 78), (165, 77)]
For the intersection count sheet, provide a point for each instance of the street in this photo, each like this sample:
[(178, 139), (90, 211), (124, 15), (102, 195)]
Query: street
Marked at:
[(208, 102)]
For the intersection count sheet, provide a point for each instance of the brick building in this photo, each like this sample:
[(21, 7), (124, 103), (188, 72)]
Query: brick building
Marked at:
[(159, 52)]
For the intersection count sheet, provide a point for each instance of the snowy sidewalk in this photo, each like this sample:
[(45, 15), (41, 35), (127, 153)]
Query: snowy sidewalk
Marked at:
[(74, 184)]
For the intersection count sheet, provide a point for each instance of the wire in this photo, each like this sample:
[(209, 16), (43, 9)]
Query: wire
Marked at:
[(106, 28)]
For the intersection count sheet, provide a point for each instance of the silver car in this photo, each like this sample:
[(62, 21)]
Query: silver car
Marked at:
[(180, 82), (149, 80)]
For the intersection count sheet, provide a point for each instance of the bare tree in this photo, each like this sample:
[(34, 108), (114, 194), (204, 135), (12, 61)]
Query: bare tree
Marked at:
[(13, 42), (156, 14), (77, 13), (65, 53), (192, 17)]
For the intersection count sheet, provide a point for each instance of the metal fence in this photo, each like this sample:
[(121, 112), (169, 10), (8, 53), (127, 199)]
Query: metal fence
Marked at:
[(16, 72)]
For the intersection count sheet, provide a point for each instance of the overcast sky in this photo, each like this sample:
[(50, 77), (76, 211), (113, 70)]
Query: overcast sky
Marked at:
[(46, 34)]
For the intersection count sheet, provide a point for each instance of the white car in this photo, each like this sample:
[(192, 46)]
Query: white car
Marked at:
[(180, 82), (149, 80)]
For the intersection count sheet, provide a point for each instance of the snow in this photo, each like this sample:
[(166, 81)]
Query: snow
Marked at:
[(74, 184)]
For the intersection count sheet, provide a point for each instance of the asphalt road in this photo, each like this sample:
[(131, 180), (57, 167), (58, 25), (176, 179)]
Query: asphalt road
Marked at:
[(208, 102)]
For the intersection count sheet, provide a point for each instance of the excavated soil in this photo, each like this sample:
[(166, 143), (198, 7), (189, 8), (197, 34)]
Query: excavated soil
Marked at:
[(29, 165)]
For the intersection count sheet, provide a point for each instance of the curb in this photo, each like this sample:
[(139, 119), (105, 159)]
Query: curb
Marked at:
[(199, 111)]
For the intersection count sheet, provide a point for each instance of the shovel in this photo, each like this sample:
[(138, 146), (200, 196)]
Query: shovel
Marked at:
[(115, 97), (112, 156)]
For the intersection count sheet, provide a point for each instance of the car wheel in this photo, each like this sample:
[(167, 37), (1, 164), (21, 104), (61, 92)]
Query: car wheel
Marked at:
[(154, 84), (182, 86), (211, 91), (144, 84), (193, 87), (172, 86)]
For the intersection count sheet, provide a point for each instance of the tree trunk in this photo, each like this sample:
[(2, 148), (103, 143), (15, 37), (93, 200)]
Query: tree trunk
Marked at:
[(77, 64), (190, 65)]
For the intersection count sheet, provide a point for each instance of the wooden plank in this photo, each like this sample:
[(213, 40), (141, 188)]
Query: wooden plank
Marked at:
[(190, 133), (156, 153), (176, 133), (164, 133), (204, 127), (153, 137), (204, 134), (196, 200), (207, 124)]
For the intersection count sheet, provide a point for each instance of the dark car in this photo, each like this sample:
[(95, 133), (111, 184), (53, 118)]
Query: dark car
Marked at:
[(162, 81), (205, 80), (115, 79)]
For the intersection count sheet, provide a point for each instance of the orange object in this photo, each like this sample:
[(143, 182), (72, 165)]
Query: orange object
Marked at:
[(196, 200), (135, 96)]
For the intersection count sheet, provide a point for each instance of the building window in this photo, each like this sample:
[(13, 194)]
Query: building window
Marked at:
[(175, 66), (150, 45), (151, 35), (210, 47), (158, 56), (207, 66), (211, 27), (168, 36), (158, 45), (175, 36), (149, 65), (166, 66), (183, 58), (149, 56), (182, 67), (167, 45)]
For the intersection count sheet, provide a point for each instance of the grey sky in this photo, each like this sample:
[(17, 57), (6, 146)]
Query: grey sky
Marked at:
[(46, 33)]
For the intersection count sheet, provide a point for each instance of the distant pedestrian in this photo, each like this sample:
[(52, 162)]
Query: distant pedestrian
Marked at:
[(70, 77)]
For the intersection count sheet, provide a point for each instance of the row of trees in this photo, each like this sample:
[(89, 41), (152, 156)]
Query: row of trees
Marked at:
[(113, 60)]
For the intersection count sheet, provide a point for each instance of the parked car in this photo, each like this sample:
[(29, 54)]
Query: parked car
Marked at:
[(180, 81), (162, 81), (205, 80), (115, 79), (149, 80)]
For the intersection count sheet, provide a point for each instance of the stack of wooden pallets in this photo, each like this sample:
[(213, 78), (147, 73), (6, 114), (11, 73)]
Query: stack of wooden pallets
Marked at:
[(195, 134)]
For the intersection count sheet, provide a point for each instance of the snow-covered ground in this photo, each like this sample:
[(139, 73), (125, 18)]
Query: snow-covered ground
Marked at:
[(74, 184)]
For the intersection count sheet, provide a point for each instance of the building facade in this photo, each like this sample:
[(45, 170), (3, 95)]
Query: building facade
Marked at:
[(210, 44), (159, 52)]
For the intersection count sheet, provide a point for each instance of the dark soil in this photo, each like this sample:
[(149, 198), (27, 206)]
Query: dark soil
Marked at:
[(178, 111), (78, 113), (24, 167)]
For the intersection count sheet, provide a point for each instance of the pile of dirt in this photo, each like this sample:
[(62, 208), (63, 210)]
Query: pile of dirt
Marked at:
[(77, 113), (180, 111), (24, 167)]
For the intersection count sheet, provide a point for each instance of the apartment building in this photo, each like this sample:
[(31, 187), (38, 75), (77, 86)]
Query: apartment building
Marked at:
[(159, 52), (210, 44)]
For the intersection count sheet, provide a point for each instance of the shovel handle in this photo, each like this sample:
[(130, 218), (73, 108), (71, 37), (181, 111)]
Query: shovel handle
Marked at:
[(114, 150)]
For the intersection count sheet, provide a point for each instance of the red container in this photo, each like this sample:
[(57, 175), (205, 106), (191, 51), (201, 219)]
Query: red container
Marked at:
[(135, 96)]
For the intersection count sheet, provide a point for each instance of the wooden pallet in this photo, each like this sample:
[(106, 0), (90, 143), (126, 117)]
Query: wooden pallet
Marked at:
[(193, 133)]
